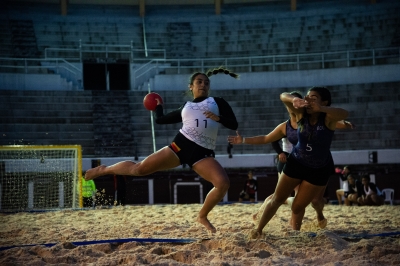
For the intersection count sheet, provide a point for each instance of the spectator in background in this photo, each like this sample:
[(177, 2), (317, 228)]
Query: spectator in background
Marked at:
[(370, 195), (88, 192), (343, 176), (249, 189), (354, 191)]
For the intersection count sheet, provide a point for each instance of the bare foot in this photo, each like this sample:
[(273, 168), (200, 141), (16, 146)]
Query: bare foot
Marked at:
[(322, 224), (94, 172), (207, 224), (254, 234)]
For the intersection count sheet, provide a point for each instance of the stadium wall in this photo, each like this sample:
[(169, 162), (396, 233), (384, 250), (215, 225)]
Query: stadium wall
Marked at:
[(253, 80), (357, 157), (287, 79)]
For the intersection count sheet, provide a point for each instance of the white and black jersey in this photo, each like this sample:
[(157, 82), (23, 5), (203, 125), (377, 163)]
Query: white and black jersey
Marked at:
[(196, 127)]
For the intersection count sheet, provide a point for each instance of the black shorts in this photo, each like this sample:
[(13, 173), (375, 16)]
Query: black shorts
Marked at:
[(315, 176), (188, 151)]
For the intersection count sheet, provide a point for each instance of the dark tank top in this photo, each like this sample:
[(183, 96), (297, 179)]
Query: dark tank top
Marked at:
[(314, 142)]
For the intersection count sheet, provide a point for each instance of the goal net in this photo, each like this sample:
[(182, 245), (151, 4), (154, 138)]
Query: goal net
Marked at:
[(40, 177)]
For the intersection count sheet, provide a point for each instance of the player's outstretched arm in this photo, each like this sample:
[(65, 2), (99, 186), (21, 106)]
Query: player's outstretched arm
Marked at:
[(276, 134)]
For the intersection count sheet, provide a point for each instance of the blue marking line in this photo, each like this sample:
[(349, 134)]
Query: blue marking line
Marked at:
[(120, 240)]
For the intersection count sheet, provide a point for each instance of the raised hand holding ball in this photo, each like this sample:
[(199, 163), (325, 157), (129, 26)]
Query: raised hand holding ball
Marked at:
[(150, 101)]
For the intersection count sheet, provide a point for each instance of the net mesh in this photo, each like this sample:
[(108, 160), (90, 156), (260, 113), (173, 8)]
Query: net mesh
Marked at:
[(39, 177)]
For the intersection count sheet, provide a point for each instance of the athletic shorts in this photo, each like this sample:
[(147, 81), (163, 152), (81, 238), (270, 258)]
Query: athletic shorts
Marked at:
[(279, 165), (315, 176), (188, 151)]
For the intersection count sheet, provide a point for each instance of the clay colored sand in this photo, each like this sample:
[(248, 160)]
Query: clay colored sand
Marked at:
[(344, 241)]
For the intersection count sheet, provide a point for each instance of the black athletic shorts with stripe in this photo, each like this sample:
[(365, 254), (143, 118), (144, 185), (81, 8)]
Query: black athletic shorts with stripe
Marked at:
[(188, 151)]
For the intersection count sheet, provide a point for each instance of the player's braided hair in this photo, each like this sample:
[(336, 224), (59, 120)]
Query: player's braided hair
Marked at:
[(215, 71), (212, 72)]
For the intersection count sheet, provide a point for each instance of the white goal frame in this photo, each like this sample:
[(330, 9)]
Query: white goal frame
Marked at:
[(39, 167), (187, 184)]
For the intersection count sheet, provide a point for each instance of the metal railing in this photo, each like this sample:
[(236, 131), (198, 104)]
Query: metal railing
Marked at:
[(308, 61), (43, 66), (339, 59), (156, 62), (103, 51)]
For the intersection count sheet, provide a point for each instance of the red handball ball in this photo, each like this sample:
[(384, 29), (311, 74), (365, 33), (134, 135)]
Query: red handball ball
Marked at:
[(150, 102)]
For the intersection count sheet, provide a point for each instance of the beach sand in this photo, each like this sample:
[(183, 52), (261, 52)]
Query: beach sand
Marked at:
[(347, 240)]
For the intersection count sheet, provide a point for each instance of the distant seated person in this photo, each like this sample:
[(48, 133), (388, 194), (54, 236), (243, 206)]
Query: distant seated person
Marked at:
[(249, 189), (370, 195), (343, 176), (354, 191), (88, 192)]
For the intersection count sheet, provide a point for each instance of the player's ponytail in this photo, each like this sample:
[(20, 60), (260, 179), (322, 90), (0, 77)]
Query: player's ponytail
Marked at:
[(209, 73), (216, 71)]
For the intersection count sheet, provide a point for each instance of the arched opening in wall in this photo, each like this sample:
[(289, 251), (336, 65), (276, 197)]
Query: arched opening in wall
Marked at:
[(106, 75)]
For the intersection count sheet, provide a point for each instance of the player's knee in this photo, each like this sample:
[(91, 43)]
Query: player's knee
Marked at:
[(275, 201), (224, 185), (298, 209), (139, 170)]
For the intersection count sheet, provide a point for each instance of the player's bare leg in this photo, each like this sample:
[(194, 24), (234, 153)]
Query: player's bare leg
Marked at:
[(213, 172), (282, 191), (256, 216), (318, 203), (306, 194), (162, 159), (297, 220)]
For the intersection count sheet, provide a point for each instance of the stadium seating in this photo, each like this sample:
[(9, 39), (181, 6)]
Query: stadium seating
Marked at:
[(186, 32), (115, 123)]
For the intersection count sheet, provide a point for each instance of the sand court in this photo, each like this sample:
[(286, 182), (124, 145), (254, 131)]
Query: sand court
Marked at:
[(354, 236)]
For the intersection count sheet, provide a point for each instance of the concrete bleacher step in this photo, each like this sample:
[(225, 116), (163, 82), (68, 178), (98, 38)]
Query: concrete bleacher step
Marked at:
[(223, 36), (372, 110), (23, 38), (111, 122)]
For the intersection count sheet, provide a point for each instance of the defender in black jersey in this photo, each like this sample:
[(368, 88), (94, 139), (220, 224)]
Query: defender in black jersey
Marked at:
[(310, 163), (193, 145)]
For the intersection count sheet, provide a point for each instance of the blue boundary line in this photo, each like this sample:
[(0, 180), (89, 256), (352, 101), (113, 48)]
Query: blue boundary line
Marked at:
[(360, 236), (120, 240), (184, 240)]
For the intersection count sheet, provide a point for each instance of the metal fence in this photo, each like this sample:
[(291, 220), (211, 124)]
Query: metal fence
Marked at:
[(57, 59)]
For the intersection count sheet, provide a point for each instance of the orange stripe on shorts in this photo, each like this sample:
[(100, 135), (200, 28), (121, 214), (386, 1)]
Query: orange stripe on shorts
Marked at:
[(175, 147)]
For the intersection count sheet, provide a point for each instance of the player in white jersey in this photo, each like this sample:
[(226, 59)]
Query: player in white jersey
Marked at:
[(193, 145)]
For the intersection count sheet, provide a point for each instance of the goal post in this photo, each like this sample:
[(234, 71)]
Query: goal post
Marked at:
[(40, 177)]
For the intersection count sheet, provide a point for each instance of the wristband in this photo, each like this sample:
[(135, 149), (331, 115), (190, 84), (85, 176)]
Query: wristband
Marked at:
[(243, 140)]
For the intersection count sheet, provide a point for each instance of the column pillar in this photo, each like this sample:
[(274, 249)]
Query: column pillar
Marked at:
[(142, 8), (218, 4), (64, 7), (293, 5)]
